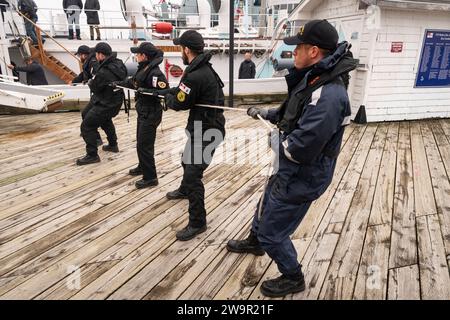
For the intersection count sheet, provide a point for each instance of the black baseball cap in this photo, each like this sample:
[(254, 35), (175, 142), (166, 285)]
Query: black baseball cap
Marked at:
[(191, 39), (104, 48), (148, 49), (317, 33), (83, 50)]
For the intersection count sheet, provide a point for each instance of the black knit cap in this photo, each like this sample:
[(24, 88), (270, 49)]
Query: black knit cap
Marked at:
[(148, 49), (103, 47), (318, 33), (83, 50), (192, 40)]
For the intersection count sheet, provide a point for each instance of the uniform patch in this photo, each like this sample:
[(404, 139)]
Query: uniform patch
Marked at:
[(184, 88), (181, 96), (155, 82), (162, 84)]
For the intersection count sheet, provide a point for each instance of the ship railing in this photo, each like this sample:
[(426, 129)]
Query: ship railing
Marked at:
[(113, 25)]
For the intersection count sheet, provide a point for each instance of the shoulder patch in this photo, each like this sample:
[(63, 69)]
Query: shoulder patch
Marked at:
[(181, 96), (162, 84), (154, 82), (184, 88)]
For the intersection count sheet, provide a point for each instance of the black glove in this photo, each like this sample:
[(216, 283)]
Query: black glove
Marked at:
[(254, 112), (113, 85)]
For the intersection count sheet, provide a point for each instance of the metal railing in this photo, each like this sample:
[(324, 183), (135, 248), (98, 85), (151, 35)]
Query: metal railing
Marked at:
[(39, 30), (53, 21)]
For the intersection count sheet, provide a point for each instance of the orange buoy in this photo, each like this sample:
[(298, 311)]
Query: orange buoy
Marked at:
[(162, 27)]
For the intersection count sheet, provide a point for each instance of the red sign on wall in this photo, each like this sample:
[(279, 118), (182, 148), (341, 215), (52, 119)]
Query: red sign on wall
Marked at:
[(397, 47)]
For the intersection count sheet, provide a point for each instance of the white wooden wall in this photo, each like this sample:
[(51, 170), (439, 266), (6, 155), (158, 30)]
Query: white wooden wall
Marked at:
[(386, 86), (335, 8), (346, 12), (391, 94)]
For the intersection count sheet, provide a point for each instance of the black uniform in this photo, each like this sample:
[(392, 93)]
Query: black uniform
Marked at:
[(105, 103), (200, 85), (149, 110), (89, 68)]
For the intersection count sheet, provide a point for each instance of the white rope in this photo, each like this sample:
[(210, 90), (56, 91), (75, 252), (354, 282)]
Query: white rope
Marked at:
[(197, 105)]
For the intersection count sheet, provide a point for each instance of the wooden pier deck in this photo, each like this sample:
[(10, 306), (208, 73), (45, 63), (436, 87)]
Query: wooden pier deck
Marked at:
[(381, 231)]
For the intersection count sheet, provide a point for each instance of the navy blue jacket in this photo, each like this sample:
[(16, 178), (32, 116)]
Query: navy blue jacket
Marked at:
[(308, 154)]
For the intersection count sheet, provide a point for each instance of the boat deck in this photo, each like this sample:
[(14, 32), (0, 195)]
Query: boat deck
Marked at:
[(381, 231)]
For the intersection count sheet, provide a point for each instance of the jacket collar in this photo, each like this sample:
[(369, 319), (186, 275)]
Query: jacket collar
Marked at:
[(198, 62), (150, 63), (338, 63)]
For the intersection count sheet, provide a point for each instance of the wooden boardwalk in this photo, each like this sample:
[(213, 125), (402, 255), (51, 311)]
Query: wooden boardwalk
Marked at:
[(381, 231)]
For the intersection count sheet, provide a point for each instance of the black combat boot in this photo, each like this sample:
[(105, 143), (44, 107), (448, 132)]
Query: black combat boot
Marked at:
[(189, 233), (78, 31), (99, 142), (70, 34), (249, 245), (141, 184), (110, 148), (87, 159), (283, 285), (136, 172), (176, 194)]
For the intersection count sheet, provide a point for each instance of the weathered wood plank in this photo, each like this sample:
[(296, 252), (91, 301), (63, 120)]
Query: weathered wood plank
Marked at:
[(341, 276), (443, 144), (371, 282), (403, 241), (404, 283), (346, 190), (440, 181), (423, 191), (434, 271), (384, 191), (445, 125), (69, 286)]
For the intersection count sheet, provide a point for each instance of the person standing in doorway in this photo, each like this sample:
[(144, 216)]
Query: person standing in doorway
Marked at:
[(91, 8), (247, 70), (73, 8), (35, 72)]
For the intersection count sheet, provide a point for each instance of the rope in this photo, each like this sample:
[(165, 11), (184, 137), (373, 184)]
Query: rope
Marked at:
[(197, 105)]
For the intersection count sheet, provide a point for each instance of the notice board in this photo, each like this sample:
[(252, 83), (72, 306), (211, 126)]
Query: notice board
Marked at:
[(434, 64)]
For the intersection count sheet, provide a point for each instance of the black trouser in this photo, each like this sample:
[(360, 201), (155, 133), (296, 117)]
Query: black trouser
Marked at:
[(192, 183), (98, 117), (83, 115), (145, 137)]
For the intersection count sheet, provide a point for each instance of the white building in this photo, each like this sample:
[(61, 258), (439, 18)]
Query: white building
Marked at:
[(401, 76)]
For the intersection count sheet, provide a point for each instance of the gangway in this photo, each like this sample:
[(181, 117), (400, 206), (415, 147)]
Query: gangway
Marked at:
[(17, 97)]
